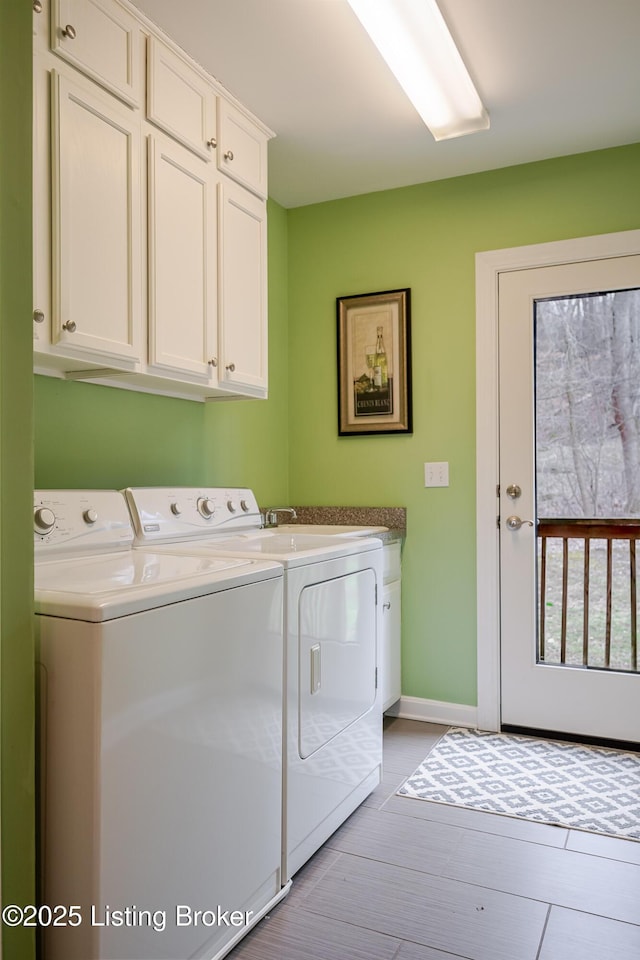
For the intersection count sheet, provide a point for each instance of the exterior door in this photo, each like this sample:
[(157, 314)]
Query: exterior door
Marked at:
[(569, 494)]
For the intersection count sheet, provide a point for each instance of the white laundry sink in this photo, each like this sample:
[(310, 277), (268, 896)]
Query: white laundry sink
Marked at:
[(329, 530)]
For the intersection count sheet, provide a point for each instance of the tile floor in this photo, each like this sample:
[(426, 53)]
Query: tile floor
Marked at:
[(405, 879)]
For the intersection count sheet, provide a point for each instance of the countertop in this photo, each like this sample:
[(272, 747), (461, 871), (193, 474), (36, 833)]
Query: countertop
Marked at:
[(395, 518)]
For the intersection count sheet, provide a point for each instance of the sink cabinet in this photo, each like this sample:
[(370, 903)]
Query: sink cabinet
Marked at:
[(149, 244), (391, 625)]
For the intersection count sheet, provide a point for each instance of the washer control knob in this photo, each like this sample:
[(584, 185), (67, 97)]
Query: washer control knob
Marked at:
[(176, 509), (231, 507), (43, 520), (90, 516), (206, 508), (244, 506)]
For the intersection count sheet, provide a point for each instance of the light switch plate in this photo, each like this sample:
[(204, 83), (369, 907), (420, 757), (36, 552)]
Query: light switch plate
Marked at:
[(436, 474)]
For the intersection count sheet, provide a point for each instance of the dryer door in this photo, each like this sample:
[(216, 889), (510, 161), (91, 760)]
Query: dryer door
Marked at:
[(337, 656)]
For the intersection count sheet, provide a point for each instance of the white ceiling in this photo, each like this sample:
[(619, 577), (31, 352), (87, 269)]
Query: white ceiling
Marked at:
[(557, 77)]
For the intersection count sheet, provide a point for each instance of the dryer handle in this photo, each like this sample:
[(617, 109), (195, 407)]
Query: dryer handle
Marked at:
[(315, 668)]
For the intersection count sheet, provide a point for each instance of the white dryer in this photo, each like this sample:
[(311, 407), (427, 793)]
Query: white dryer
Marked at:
[(333, 720), (160, 756)]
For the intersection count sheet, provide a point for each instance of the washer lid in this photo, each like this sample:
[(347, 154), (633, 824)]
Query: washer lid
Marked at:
[(105, 587)]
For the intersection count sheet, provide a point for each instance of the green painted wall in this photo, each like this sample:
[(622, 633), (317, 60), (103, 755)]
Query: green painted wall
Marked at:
[(16, 468), (92, 436), (425, 237)]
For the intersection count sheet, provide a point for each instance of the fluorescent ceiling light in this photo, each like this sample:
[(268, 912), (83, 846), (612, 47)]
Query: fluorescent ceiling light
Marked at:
[(413, 38)]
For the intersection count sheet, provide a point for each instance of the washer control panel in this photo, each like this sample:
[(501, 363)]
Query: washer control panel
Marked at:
[(80, 520), (163, 514)]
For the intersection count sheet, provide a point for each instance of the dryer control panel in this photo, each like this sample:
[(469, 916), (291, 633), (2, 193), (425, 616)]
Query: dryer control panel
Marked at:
[(164, 514), (80, 521)]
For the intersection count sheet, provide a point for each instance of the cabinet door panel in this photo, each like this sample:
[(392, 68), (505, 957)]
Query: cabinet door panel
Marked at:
[(390, 648), (103, 42), (242, 149), (182, 261), (179, 100), (95, 224), (243, 290)]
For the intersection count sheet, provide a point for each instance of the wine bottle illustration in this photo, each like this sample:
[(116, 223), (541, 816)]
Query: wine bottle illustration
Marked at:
[(380, 371)]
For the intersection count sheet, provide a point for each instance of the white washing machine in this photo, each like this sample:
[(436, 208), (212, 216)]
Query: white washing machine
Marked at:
[(333, 720), (161, 731)]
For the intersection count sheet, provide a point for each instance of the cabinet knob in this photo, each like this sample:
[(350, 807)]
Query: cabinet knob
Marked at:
[(213, 143), (37, 6), (229, 155), (213, 362), (69, 326), (386, 605), (230, 367), (38, 316), (69, 32)]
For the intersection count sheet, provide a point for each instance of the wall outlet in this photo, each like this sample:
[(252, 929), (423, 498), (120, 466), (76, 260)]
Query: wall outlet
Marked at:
[(436, 474)]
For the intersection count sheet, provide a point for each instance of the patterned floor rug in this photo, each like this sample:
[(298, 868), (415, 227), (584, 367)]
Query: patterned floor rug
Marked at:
[(567, 784)]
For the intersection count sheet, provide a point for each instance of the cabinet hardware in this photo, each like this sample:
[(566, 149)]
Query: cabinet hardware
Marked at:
[(38, 316), (231, 367), (37, 6), (229, 155), (69, 32), (69, 326), (386, 605), (213, 362), (212, 143)]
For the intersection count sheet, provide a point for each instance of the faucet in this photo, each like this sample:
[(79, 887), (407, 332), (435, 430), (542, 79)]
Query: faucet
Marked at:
[(271, 515)]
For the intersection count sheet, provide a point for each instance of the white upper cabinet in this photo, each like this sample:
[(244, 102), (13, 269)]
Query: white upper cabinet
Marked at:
[(182, 262), (242, 148), (243, 291), (149, 212), (179, 99), (96, 241), (101, 39)]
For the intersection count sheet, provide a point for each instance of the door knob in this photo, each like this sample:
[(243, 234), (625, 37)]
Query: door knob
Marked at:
[(514, 523)]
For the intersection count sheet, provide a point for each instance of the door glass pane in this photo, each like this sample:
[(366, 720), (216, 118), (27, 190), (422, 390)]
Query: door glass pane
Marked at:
[(587, 375)]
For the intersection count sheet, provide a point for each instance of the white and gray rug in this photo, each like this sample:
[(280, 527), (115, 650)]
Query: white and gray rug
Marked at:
[(567, 784)]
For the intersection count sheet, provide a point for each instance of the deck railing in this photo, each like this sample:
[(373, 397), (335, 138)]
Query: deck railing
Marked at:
[(614, 591)]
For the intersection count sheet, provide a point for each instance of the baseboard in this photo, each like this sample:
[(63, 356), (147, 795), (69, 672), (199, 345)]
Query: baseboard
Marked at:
[(435, 711)]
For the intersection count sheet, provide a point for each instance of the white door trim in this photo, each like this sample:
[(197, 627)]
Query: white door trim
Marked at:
[(489, 265)]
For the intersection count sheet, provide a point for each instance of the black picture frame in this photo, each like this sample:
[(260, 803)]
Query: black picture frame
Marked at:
[(374, 363)]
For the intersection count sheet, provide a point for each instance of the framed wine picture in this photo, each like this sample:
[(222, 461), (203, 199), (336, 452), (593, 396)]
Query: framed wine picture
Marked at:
[(374, 363)]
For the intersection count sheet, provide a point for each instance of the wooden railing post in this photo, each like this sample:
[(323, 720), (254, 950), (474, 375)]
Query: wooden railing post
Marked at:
[(609, 531)]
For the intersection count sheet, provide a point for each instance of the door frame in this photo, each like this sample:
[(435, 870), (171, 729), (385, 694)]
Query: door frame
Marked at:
[(489, 265)]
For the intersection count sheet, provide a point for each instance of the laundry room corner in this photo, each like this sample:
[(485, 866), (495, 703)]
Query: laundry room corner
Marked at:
[(246, 442)]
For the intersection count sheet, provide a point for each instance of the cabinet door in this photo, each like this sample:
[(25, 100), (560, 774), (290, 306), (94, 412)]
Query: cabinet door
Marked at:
[(242, 148), (390, 650), (41, 206), (102, 39), (96, 241), (179, 100), (243, 291), (182, 261)]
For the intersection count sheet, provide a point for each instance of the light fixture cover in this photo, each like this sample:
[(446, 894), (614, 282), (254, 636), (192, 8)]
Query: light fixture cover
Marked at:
[(414, 39)]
